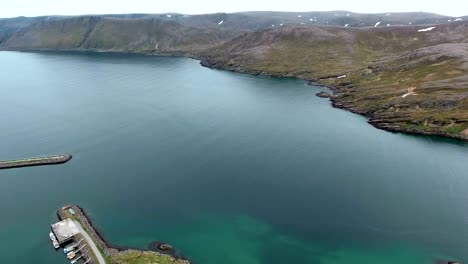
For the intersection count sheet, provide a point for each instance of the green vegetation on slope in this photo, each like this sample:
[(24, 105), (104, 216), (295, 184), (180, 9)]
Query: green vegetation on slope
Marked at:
[(402, 79), (139, 257), (97, 33), (175, 33)]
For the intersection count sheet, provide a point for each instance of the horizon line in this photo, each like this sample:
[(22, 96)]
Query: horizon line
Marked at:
[(237, 12)]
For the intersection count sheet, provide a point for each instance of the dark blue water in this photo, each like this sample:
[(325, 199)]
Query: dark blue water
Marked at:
[(228, 168)]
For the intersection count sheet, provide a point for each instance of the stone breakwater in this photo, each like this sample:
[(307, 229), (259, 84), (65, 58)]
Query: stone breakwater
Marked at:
[(39, 161), (108, 249)]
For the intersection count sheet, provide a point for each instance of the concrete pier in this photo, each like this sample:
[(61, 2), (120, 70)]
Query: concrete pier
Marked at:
[(39, 161)]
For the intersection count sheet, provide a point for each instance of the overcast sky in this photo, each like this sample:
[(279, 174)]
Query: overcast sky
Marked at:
[(12, 8)]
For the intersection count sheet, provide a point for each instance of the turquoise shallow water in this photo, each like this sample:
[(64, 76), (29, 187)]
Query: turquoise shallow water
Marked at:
[(228, 168)]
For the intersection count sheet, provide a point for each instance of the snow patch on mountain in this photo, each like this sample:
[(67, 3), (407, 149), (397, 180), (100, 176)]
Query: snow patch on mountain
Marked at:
[(426, 29)]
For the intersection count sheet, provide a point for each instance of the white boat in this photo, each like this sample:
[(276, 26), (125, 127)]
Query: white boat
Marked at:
[(54, 240), (72, 247), (68, 249), (71, 255), (52, 236), (56, 244)]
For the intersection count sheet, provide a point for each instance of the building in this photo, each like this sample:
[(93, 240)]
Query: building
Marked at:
[(64, 230)]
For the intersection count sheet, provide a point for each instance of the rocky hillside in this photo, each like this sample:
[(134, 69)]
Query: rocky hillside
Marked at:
[(342, 18), (252, 21), (181, 32), (412, 78), (97, 33)]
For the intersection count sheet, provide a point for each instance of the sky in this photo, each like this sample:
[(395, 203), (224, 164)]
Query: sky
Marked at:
[(13, 8)]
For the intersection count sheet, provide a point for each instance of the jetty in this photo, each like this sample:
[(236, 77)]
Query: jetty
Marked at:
[(75, 227), (37, 161)]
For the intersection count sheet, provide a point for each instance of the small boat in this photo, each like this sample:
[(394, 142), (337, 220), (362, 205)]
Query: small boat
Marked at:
[(72, 247), (56, 244), (69, 249), (71, 255), (52, 236), (54, 240), (75, 260)]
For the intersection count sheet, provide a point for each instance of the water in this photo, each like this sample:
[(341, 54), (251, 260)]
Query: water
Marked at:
[(228, 168)]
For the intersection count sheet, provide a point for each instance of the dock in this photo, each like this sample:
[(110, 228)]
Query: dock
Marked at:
[(37, 161), (65, 230), (97, 250)]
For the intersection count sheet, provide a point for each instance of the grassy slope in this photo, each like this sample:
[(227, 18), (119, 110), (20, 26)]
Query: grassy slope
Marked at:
[(341, 18), (139, 257), (146, 35), (381, 64), (131, 256), (177, 33), (248, 21)]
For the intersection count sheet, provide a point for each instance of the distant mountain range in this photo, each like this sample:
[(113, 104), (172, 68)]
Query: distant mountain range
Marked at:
[(177, 33), (404, 71)]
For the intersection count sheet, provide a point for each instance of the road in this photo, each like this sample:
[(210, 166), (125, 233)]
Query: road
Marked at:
[(90, 243)]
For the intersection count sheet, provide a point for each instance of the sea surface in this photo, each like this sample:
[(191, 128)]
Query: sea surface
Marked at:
[(228, 168)]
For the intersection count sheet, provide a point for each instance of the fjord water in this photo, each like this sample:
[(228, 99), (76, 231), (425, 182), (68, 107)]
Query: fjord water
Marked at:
[(228, 168)]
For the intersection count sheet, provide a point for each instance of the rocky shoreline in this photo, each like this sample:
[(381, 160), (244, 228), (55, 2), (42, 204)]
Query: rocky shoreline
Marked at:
[(335, 102), (108, 249)]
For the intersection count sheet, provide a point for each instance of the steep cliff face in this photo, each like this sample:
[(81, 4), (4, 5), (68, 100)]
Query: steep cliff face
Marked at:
[(411, 79)]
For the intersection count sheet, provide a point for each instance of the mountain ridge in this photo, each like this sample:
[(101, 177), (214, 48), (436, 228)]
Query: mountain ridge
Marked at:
[(97, 33)]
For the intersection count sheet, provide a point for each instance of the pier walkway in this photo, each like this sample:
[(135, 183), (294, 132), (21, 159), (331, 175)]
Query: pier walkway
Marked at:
[(90, 243)]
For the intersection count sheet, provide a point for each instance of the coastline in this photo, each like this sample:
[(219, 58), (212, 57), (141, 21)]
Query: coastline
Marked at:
[(377, 123), (102, 51), (205, 62), (108, 249)]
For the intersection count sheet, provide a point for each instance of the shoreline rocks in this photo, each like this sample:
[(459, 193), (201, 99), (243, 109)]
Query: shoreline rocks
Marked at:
[(323, 95), (165, 247)]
